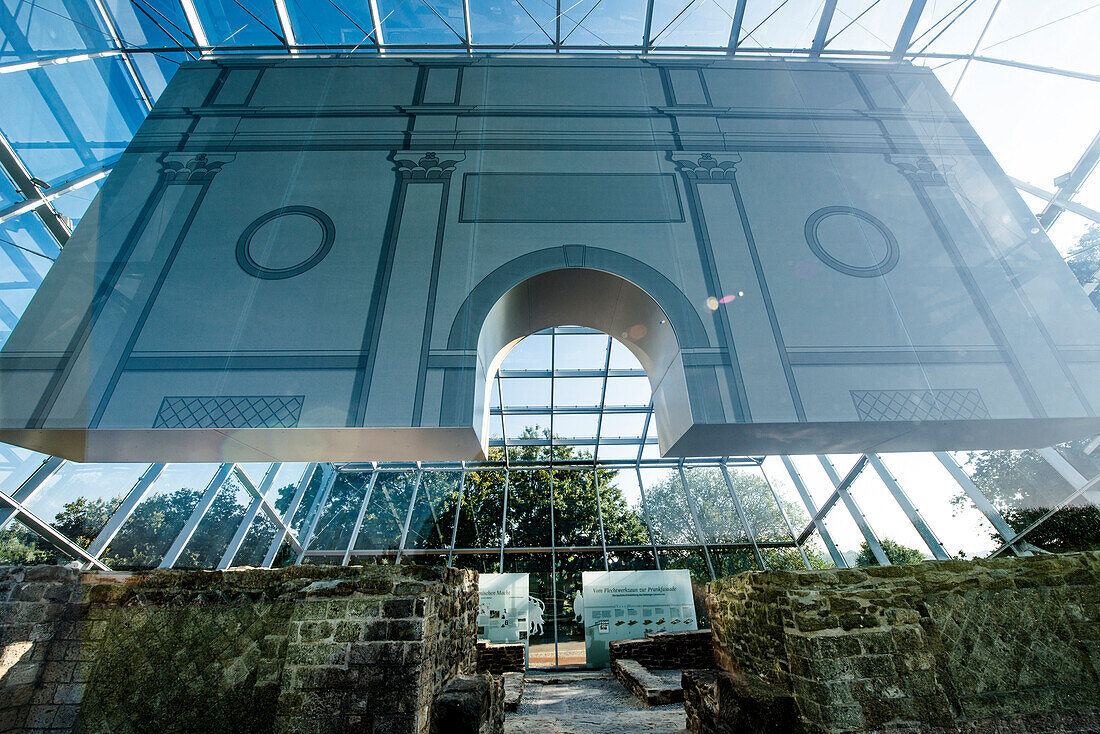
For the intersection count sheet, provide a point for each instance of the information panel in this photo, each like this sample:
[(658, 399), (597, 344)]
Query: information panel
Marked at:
[(503, 607), (621, 605)]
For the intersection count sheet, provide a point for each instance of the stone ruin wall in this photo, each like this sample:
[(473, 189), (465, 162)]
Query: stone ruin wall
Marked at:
[(301, 649), (938, 643)]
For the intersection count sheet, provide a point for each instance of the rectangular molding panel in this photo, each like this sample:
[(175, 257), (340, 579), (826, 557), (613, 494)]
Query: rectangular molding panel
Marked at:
[(318, 259)]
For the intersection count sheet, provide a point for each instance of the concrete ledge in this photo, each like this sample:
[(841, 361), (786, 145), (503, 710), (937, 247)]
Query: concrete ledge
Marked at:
[(513, 691), (647, 687)]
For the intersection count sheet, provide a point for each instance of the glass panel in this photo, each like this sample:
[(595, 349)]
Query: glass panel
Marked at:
[(692, 22), (75, 203), (79, 499), (570, 630), (847, 536), (1024, 488), (769, 24), (150, 23), (623, 518), (668, 509), (576, 518), (20, 546), (575, 426), (50, 28), (714, 506), (730, 561), (8, 193), (961, 527), (434, 511), (384, 520), (899, 538), (26, 254), (240, 22), (640, 559), (482, 511), (578, 391), (601, 23), (624, 425), (436, 22), (333, 531), (16, 465), (865, 24), (533, 353), (217, 527), (497, 23), (528, 523), (526, 391), (622, 358), (72, 118), (580, 351), (157, 520), (540, 636), (343, 22), (628, 391), (693, 560), (759, 505)]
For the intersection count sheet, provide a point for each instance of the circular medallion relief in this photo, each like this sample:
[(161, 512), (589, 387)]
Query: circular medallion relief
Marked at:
[(851, 241), (285, 242)]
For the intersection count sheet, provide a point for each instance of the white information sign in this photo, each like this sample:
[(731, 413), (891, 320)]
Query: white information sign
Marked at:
[(503, 613), (621, 605)]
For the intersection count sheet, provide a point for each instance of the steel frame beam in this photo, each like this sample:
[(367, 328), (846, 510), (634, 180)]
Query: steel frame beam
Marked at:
[(694, 512), (315, 512), (359, 518), (268, 509), (188, 530), (981, 502), (908, 508), (123, 512), (817, 518), (842, 487), (750, 531), (908, 26), (408, 515), (29, 487), (820, 38), (1069, 184), (1081, 485), (258, 502), (786, 518), (24, 182), (288, 516), (735, 27), (46, 531), (1056, 201)]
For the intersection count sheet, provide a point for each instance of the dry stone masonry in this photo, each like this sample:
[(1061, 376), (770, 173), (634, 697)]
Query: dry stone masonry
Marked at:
[(303, 649), (988, 645)]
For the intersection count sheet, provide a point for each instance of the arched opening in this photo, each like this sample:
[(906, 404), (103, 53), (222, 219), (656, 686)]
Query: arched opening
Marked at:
[(597, 300)]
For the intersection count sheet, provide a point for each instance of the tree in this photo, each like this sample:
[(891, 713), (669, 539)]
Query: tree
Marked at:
[(1084, 261), (896, 552)]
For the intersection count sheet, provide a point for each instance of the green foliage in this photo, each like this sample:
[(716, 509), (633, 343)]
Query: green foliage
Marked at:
[(896, 552), (21, 547), (1085, 260), (1070, 529)]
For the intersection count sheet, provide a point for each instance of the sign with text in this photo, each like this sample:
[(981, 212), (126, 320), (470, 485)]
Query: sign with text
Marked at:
[(621, 605), (503, 612)]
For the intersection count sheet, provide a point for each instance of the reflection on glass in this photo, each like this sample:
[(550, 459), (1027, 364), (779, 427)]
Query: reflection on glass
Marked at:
[(434, 511), (384, 519)]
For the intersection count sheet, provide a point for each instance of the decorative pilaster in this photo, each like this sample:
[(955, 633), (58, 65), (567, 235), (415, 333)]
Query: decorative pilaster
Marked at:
[(707, 166), (192, 168), (923, 170)]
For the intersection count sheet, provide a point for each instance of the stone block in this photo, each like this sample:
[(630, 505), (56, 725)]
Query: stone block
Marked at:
[(472, 704)]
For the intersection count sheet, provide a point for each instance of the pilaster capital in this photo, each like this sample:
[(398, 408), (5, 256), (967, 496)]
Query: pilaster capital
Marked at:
[(192, 167), (411, 164), (707, 166)]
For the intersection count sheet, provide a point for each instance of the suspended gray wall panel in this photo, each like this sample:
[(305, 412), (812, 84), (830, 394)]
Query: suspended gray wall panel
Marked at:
[(326, 260)]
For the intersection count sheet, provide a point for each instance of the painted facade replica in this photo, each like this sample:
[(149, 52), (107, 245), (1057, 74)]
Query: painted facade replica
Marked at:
[(327, 260)]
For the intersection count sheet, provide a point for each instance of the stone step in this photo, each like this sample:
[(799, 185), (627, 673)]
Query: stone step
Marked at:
[(651, 687)]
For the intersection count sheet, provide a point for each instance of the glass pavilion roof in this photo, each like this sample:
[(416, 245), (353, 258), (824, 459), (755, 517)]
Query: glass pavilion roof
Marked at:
[(77, 78)]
